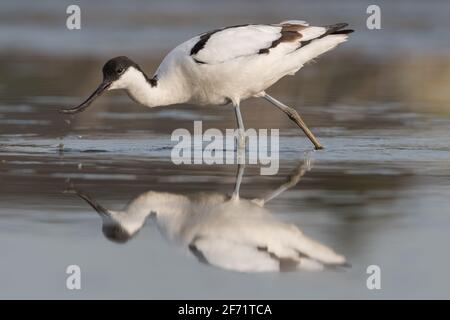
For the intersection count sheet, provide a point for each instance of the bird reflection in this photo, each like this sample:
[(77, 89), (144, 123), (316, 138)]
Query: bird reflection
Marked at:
[(224, 231)]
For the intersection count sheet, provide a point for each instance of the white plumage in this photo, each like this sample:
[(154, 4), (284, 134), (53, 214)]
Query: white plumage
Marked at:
[(225, 65), (230, 67)]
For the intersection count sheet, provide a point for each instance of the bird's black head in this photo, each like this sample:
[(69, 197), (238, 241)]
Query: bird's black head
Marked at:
[(115, 76), (116, 233), (116, 67)]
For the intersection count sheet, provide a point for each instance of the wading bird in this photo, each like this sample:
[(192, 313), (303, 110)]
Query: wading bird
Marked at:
[(225, 66), (225, 231)]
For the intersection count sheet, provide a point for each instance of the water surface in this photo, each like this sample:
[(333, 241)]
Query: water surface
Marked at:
[(378, 194)]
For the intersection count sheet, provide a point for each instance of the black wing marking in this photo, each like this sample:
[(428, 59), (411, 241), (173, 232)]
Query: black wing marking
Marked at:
[(331, 29), (205, 37)]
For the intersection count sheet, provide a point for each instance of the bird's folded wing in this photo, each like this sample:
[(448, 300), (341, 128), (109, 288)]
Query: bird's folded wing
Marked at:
[(263, 247), (229, 43), (228, 254)]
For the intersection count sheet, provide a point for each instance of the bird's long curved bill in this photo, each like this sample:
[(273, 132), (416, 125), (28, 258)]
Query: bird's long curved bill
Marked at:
[(102, 211), (98, 92)]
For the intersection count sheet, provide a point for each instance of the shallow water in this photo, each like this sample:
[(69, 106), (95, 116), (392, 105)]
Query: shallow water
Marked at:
[(379, 194), (376, 195)]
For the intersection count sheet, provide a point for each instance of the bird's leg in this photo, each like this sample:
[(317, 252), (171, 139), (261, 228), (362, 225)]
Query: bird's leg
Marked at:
[(237, 185), (294, 116), (241, 129), (294, 178)]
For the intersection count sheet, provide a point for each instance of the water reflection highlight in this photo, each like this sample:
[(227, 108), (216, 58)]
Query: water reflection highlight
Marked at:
[(224, 231)]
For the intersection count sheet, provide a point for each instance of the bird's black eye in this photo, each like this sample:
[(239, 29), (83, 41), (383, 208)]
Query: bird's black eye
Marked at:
[(119, 71)]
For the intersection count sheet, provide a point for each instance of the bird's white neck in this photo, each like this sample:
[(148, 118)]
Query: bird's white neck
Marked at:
[(159, 91)]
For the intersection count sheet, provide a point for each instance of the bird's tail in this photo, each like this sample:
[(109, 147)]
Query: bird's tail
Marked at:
[(337, 28), (334, 35), (314, 255)]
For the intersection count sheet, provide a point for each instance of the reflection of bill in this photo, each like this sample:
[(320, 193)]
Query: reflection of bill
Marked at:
[(224, 231), (212, 147)]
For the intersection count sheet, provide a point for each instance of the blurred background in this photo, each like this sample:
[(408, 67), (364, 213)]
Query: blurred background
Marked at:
[(379, 193)]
